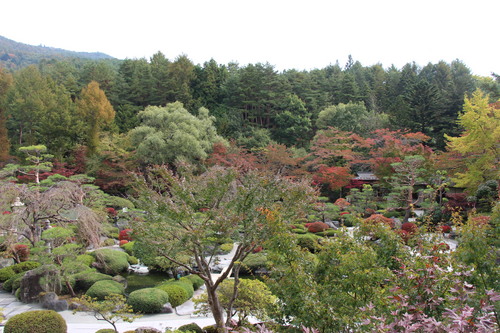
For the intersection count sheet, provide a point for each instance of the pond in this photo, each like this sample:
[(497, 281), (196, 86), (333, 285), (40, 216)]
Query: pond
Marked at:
[(139, 281)]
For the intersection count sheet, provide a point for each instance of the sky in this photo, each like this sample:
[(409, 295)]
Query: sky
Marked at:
[(288, 34)]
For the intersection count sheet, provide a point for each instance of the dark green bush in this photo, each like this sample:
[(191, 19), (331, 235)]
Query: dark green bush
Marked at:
[(104, 288), (40, 321), (195, 280), (85, 280), (193, 327), (177, 295), (111, 261), (148, 300), (254, 262), (9, 284), (186, 285), (308, 241)]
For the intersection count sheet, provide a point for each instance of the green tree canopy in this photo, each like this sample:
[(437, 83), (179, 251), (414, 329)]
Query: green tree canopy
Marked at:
[(171, 132)]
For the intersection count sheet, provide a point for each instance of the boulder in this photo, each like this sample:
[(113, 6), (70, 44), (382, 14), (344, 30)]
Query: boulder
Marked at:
[(167, 308), (121, 279), (34, 282), (332, 225), (51, 301)]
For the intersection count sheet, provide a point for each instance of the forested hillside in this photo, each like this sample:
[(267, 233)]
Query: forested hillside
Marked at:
[(16, 55)]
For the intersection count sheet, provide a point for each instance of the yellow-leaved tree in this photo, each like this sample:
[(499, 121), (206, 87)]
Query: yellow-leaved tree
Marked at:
[(96, 112), (479, 144)]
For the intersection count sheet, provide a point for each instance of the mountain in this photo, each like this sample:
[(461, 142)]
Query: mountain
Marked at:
[(14, 54)]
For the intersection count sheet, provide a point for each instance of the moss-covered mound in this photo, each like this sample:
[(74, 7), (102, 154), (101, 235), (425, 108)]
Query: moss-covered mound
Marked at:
[(104, 288), (148, 300), (41, 321)]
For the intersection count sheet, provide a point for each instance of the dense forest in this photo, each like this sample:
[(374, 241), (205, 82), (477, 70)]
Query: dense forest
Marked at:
[(185, 161)]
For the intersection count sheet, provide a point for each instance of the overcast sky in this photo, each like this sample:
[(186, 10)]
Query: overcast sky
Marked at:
[(288, 34)]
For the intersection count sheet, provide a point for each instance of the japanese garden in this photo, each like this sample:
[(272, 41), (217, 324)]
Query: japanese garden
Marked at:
[(349, 198)]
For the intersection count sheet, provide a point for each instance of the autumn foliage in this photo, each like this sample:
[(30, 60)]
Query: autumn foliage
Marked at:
[(317, 227), (125, 234), (379, 219)]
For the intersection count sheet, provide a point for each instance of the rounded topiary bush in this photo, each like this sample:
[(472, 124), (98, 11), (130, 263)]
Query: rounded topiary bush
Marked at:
[(186, 284), (409, 227), (85, 259), (104, 288), (195, 280), (25, 266), (106, 330), (40, 321), (128, 247), (317, 227), (111, 261), (6, 273), (379, 219), (177, 295), (148, 300), (193, 327), (85, 280)]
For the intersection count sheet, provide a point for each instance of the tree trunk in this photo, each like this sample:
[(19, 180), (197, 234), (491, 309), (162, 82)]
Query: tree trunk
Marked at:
[(217, 310)]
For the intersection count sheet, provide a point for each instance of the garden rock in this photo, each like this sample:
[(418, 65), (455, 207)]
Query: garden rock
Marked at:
[(37, 281), (121, 279), (332, 225), (167, 308), (6, 262), (51, 301)]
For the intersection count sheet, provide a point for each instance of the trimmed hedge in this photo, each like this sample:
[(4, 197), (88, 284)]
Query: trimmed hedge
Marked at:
[(85, 280), (177, 295), (148, 300), (85, 259), (104, 288), (195, 280), (9, 271), (40, 321), (111, 261)]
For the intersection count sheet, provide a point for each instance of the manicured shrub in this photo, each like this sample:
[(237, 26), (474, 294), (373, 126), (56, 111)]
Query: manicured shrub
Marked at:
[(9, 284), (108, 242), (210, 329), (6, 273), (299, 231), (123, 242), (148, 300), (309, 242), (317, 227), (85, 280), (177, 295), (195, 280), (379, 219), (410, 227), (342, 203), (193, 327), (111, 261), (254, 262), (25, 266), (106, 330), (104, 288), (125, 234), (133, 260), (40, 321), (128, 247), (186, 285), (85, 259)]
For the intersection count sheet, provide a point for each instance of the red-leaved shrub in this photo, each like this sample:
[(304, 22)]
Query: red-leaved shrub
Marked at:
[(481, 219), (409, 227), (123, 242), (111, 211), (21, 252), (405, 235), (317, 227), (379, 219), (125, 235), (445, 229), (342, 203)]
